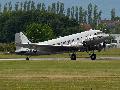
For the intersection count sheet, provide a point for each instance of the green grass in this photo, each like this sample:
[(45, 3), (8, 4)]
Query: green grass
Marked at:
[(60, 75)]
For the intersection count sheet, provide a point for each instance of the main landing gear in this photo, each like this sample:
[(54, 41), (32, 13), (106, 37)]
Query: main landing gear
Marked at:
[(93, 56)]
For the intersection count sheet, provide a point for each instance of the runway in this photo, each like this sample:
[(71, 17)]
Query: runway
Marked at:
[(98, 58)]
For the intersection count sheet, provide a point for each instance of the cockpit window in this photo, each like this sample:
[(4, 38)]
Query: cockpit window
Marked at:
[(114, 41)]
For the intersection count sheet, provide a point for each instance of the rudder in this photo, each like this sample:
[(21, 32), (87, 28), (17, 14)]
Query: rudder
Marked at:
[(20, 38)]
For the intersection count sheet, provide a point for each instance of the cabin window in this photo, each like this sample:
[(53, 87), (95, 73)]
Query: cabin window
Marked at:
[(58, 43), (73, 40), (53, 44), (64, 42), (68, 41), (77, 38)]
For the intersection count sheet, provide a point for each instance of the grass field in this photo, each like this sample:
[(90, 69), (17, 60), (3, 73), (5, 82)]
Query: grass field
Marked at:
[(60, 75)]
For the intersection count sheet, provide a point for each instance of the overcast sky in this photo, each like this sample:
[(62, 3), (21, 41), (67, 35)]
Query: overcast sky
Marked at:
[(104, 5)]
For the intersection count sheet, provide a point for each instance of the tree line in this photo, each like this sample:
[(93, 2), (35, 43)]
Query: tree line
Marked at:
[(40, 22), (61, 21)]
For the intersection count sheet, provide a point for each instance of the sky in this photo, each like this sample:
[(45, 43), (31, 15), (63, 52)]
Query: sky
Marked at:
[(104, 5)]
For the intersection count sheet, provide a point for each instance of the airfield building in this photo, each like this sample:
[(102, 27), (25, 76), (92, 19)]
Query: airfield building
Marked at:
[(117, 39)]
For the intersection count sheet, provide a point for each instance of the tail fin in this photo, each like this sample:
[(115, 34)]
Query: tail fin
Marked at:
[(20, 38)]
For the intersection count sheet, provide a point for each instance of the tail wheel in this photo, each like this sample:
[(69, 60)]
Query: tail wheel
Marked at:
[(93, 57), (27, 58), (73, 57)]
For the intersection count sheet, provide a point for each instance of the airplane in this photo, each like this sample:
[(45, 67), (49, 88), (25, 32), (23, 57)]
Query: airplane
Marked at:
[(88, 41)]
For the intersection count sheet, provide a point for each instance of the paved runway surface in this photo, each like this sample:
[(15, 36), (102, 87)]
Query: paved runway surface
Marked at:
[(99, 58)]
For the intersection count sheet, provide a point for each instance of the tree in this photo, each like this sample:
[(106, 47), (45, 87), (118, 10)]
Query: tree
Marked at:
[(21, 6), (80, 15), (11, 26), (10, 6), (68, 12), (39, 32), (39, 6), (61, 12), (49, 9), (99, 16), (113, 14), (43, 7), (16, 20), (17, 6), (90, 13), (85, 16), (76, 14), (95, 16), (5, 8), (103, 27), (28, 5), (72, 12), (53, 8), (32, 5), (0, 7), (58, 7), (25, 6)]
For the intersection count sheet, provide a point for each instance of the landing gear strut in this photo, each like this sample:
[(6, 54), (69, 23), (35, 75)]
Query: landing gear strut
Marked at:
[(73, 56), (93, 56)]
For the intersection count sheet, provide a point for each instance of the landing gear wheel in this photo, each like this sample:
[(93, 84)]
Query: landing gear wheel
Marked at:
[(27, 58), (93, 57), (73, 57)]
